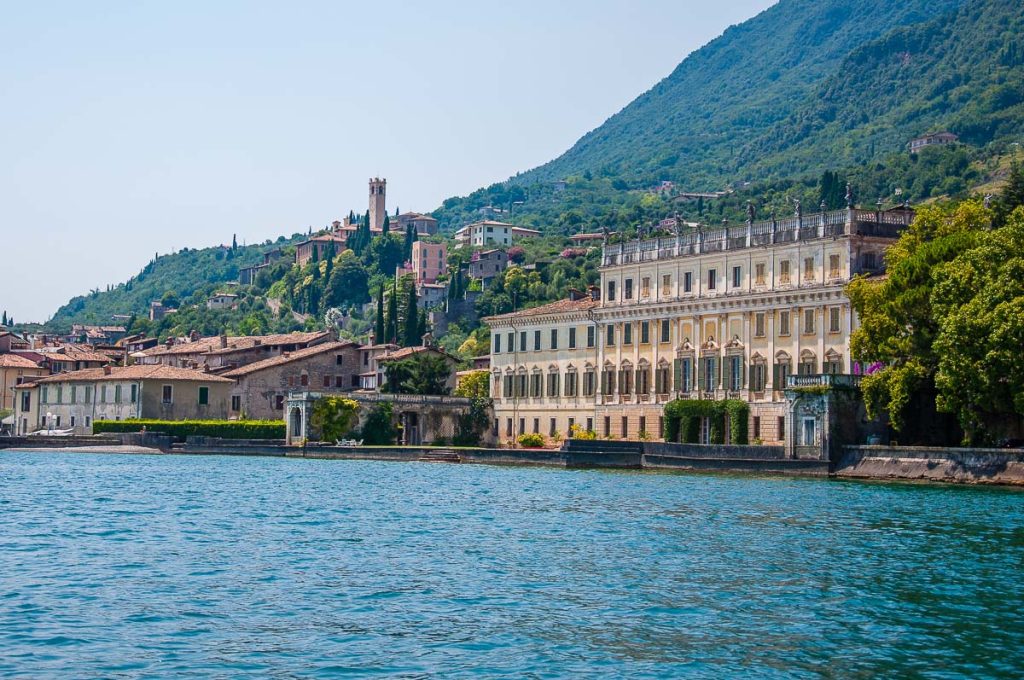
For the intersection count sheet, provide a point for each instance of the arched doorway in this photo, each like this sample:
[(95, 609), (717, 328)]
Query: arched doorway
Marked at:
[(295, 429)]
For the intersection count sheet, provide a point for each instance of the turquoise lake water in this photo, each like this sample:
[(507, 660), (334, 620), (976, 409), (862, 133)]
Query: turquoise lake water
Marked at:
[(127, 566)]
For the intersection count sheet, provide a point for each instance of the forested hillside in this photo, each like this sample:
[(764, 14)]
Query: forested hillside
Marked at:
[(804, 87)]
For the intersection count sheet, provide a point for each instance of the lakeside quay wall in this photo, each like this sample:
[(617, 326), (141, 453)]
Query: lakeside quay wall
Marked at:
[(963, 466), (933, 464)]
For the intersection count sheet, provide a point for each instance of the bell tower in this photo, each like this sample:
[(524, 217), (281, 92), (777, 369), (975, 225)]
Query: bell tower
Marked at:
[(378, 190)]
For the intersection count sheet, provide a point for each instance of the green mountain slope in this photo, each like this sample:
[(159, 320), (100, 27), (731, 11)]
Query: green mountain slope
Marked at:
[(805, 86)]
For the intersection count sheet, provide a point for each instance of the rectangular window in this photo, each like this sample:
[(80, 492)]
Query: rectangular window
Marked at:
[(572, 421), (808, 321), (44, 397), (74, 394), (571, 383), (304, 380), (627, 333), (204, 396), (117, 394), (591, 332), (833, 320), (784, 271), (88, 421), (511, 342), (625, 426), (103, 394), (497, 343), (327, 381), (522, 341), (759, 325), (645, 332), (645, 287), (627, 290), (782, 371), (508, 427), (60, 394), (553, 380), (611, 291), (868, 260), (737, 277), (609, 340), (735, 373), (808, 269), (572, 337), (536, 341), (535, 385), (712, 279), (88, 394), (608, 382), (590, 424), (833, 266), (757, 427), (607, 426), (554, 338), (666, 330), (757, 377), (339, 359), (552, 425), (135, 393), (759, 273), (783, 323), (536, 425), (72, 421), (643, 424), (588, 384), (522, 425), (688, 282), (666, 285), (279, 402), (167, 395), (236, 403), (661, 427)]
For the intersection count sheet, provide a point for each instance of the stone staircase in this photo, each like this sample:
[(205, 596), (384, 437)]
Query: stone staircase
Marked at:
[(440, 456)]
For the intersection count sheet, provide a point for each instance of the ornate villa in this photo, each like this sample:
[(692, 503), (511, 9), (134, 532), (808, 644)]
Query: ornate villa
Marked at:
[(720, 313)]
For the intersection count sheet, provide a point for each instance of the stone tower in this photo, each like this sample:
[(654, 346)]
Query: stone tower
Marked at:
[(378, 190)]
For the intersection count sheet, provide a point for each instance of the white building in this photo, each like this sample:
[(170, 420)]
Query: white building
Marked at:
[(489, 232)]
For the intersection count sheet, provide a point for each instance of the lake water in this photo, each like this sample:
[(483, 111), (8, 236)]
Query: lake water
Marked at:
[(128, 566)]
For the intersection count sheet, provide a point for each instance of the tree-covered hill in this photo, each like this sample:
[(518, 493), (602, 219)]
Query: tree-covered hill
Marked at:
[(181, 274), (806, 86)]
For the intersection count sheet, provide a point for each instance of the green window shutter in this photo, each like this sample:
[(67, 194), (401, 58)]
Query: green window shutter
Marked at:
[(677, 377), (701, 371), (727, 373)]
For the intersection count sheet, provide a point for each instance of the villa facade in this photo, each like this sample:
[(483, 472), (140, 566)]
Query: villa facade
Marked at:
[(713, 314)]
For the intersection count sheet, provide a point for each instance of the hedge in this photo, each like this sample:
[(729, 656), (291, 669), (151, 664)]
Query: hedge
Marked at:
[(225, 429), (683, 417)]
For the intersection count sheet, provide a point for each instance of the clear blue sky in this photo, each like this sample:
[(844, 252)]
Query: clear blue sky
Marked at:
[(139, 127)]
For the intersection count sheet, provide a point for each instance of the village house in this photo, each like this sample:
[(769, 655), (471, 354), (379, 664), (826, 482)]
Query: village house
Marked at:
[(74, 401), (726, 313), (14, 370), (407, 353), (935, 139), (261, 388), (486, 265), (425, 225), (222, 352), (10, 342), (429, 261), (93, 335), (488, 232), (64, 358), (431, 295), (222, 301)]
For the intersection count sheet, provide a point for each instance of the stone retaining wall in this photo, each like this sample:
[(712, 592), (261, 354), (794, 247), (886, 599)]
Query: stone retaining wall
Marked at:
[(967, 465), (722, 451)]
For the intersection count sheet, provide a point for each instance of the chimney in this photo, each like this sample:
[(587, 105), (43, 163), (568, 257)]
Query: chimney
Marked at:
[(575, 295), (223, 341), (106, 370)]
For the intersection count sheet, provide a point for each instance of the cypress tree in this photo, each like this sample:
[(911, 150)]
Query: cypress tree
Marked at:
[(412, 320), (391, 322), (387, 225), (379, 328), (3, 322), (422, 330), (410, 236), (234, 242)]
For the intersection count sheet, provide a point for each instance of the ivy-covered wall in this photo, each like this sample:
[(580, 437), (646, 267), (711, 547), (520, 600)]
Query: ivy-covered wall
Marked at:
[(683, 418)]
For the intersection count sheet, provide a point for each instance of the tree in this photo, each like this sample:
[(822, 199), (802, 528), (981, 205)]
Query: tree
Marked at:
[(391, 320), (475, 387), (386, 228), (3, 322), (348, 284), (978, 301), (1011, 197), (379, 327), (423, 373), (334, 417), (170, 300), (379, 428), (899, 325), (384, 255), (411, 335), (410, 238), (234, 242)]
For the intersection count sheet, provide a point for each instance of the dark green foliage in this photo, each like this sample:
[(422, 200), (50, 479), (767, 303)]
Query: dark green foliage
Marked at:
[(379, 332), (348, 283), (1011, 197), (411, 328), (379, 428), (334, 417), (422, 373), (391, 319), (683, 418), (386, 227), (225, 429)]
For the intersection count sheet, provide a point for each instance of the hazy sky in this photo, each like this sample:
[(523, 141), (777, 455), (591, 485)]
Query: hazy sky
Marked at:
[(139, 127)]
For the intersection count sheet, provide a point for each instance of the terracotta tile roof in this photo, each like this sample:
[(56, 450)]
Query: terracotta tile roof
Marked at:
[(559, 307), (200, 346), (288, 358), (155, 372), (16, 361), (76, 353), (248, 342)]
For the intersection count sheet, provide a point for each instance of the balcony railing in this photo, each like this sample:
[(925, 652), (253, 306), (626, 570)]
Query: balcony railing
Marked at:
[(822, 380)]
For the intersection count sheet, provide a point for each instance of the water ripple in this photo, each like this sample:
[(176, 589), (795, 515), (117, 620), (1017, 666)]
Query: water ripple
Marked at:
[(143, 566)]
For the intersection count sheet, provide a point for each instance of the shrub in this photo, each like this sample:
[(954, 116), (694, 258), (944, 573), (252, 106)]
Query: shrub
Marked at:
[(577, 432), (225, 429), (531, 441), (683, 419), (379, 427), (334, 417)]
